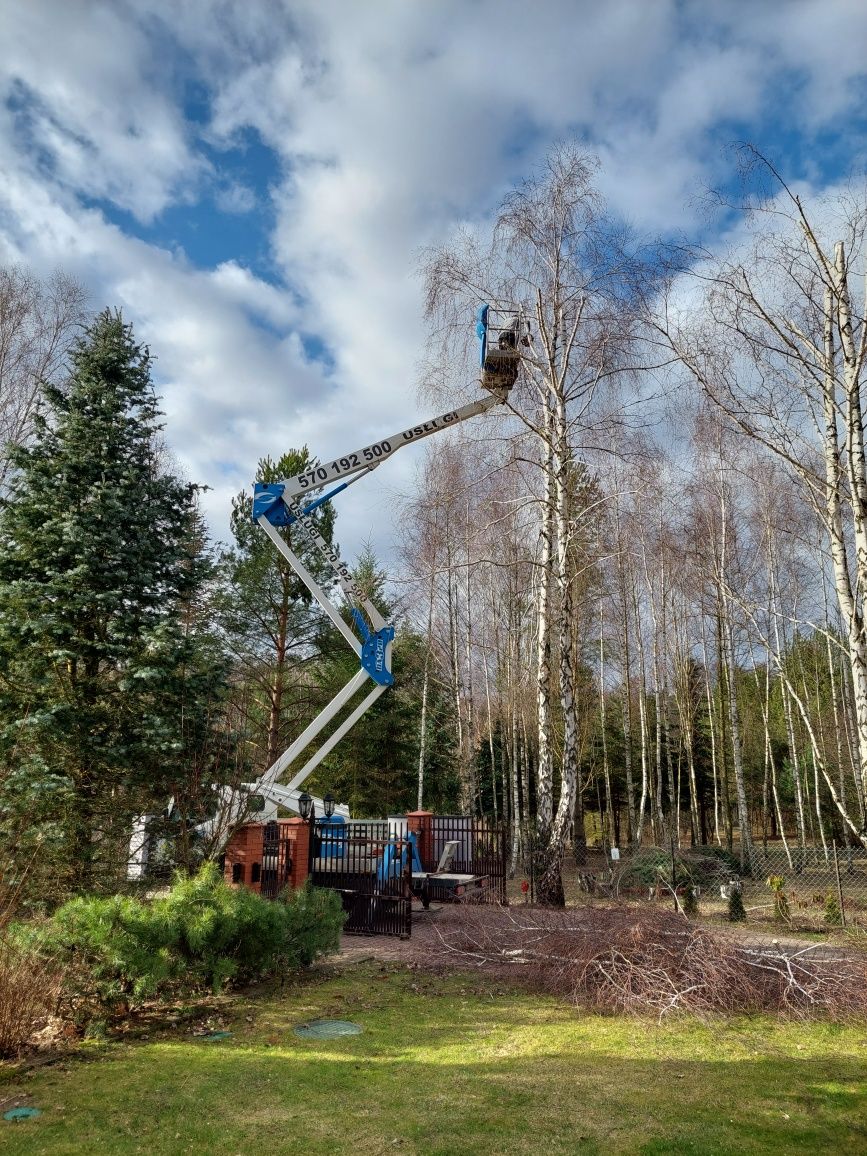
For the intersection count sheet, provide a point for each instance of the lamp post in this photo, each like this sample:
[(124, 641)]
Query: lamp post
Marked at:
[(329, 803), (308, 813), (305, 805)]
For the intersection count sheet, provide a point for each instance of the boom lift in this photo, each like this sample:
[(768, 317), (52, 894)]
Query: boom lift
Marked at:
[(289, 502), (285, 503)]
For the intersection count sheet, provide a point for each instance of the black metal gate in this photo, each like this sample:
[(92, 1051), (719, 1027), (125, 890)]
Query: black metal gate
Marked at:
[(368, 864), (276, 862), (475, 847)]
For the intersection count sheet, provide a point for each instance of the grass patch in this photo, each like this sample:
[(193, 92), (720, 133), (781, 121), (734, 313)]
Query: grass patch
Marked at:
[(448, 1064)]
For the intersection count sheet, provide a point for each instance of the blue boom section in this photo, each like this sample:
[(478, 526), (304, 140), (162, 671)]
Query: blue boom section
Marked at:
[(373, 649), (333, 835), (393, 861), (268, 502)]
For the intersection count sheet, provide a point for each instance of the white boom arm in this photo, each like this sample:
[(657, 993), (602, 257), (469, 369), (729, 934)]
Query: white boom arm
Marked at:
[(373, 455), (277, 504), (289, 503)]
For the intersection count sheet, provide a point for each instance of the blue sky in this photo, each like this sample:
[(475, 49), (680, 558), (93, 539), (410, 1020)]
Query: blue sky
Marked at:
[(252, 180)]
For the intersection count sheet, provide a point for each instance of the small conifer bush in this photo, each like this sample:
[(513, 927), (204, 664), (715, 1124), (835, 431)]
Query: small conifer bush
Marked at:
[(737, 911), (833, 914), (202, 935), (689, 902)]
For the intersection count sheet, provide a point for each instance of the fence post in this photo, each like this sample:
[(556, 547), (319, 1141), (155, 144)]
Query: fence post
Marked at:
[(674, 876), (839, 885), (532, 840), (407, 893), (298, 830), (421, 825)]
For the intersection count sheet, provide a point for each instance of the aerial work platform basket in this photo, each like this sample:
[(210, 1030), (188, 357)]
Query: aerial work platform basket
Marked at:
[(501, 334)]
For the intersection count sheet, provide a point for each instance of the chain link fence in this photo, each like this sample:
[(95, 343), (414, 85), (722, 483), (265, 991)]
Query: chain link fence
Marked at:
[(808, 889)]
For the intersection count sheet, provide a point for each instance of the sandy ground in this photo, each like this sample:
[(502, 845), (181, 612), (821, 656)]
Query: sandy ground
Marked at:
[(422, 949)]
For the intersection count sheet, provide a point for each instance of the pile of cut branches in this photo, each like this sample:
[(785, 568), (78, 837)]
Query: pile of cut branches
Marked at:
[(615, 960)]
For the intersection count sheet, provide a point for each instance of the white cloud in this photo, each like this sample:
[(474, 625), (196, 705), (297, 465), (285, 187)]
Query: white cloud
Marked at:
[(388, 123), (235, 198), (79, 75)]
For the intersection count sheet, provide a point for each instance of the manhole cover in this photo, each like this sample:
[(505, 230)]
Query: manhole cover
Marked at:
[(21, 1113), (327, 1029)]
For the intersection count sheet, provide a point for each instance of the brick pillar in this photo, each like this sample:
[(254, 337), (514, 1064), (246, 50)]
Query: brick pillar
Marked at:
[(244, 849), (298, 830), (421, 825), (255, 850), (236, 852)]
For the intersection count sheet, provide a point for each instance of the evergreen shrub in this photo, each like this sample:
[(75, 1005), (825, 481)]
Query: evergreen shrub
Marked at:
[(833, 914), (646, 868), (202, 935), (689, 900), (651, 867), (737, 911), (730, 861)]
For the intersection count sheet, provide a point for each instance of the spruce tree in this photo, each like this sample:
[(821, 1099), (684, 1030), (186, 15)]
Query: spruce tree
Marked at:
[(97, 563), (209, 747)]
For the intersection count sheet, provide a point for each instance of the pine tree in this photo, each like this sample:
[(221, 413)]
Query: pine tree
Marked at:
[(97, 564), (270, 617), (832, 914)]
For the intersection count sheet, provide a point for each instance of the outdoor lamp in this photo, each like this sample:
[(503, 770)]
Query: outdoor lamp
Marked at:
[(329, 803), (305, 805)]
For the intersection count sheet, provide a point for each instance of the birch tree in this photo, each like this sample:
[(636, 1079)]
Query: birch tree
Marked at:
[(779, 347), (38, 322), (551, 253)]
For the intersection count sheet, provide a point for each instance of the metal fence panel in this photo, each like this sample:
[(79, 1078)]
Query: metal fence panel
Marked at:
[(811, 887), (362, 861), (276, 862), (481, 851)]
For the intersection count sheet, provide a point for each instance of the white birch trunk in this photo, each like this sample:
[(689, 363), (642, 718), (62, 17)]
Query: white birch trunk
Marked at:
[(569, 764), (711, 719), (422, 742), (852, 609), (643, 729), (769, 756), (627, 702), (608, 834), (544, 768)]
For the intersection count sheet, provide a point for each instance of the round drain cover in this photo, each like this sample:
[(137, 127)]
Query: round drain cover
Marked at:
[(328, 1029), (21, 1113)]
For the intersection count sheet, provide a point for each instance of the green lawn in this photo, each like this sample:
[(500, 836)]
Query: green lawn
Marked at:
[(449, 1065)]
